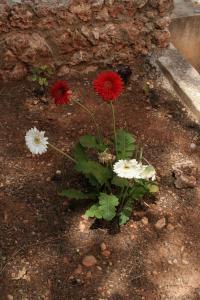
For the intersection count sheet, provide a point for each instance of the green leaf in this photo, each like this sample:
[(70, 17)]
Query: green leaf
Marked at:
[(79, 153), (75, 194), (121, 182), (126, 212), (93, 212), (153, 188), (125, 144), (137, 192), (100, 173), (89, 141), (107, 206), (34, 78)]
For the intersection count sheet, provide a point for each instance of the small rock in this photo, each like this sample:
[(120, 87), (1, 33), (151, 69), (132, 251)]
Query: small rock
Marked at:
[(106, 253), (185, 262), (160, 224), (145, 221), (103, 246), (89, 274), (99, 268), (186, 174), (193, 146), (155, 273), (89, 261), (58, 172), (175, 261), (10, 297)]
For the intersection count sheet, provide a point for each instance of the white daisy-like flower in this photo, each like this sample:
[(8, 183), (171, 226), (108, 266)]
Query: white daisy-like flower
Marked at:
[(128, 169), (148, 172), (36, 141)]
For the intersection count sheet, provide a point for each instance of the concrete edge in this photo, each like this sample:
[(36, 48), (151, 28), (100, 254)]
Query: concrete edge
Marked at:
[(184, 79)]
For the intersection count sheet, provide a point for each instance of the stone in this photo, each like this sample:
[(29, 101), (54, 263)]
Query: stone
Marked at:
[(90, 69), (185, 262), (106, 253), (89, 261), (19, 72), (193, 146), (63, 70), (140, 3), (103, 246), (186, 174), (83, 11), (68, 33), (29, 48), (145, 221), (10, 297), (160, 224)]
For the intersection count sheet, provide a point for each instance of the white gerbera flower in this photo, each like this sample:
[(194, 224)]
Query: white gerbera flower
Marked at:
[(36, 141), (148, 172), (128, 169)]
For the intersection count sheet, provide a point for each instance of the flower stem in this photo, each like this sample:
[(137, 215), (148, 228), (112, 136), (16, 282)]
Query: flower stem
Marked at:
[(114, 126), (61, 152), (93, 118), (123, 198)]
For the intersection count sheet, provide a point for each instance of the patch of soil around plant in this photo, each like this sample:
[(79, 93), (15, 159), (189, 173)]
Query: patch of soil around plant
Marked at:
[(44, 238)]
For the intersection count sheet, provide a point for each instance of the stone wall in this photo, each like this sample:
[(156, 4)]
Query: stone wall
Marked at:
[(76, 33)]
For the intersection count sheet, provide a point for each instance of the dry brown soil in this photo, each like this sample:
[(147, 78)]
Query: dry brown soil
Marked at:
[(43, 238)]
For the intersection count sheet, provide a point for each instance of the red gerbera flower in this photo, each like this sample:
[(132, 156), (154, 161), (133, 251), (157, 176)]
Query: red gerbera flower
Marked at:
[(108, 85), (60, 92)]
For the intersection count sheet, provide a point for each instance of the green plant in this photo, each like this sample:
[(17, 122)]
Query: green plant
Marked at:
[(41, 75), (117, 173)]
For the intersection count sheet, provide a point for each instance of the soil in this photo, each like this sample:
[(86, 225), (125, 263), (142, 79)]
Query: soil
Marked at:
[(44, 238)]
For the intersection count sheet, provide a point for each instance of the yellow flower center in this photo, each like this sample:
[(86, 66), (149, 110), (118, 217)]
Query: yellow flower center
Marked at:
[(37, 140), (126, 167)]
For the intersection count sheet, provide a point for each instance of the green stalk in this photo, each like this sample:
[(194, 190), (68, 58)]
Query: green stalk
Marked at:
[(61, 152), (124, 193), (92, 117), (114, 126)]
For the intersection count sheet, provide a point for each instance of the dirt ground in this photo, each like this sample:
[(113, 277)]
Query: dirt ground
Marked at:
[(43, 238)]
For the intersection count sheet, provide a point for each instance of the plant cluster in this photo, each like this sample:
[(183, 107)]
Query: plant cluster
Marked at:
[(117, 173), (41, 75)]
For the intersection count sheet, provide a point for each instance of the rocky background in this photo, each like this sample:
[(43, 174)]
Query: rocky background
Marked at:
[(70, 35)]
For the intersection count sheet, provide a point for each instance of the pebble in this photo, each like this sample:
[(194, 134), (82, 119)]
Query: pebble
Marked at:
[(185, 262), (193, 146), (99, 268), (106, 253), (145, 221), (10, 297), (103, 247), (160, 224), (155, 273), (58, 172), (89, 261)]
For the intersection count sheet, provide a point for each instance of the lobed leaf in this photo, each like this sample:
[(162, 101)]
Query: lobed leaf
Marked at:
[(126, 212), (76, 194), (89, 141), (79, 153), (100, 173), (125, 144), (121, 182), (93, 212), (107, 206)]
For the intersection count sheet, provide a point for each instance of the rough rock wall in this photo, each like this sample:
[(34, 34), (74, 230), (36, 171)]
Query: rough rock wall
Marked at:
[(73, 34)]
